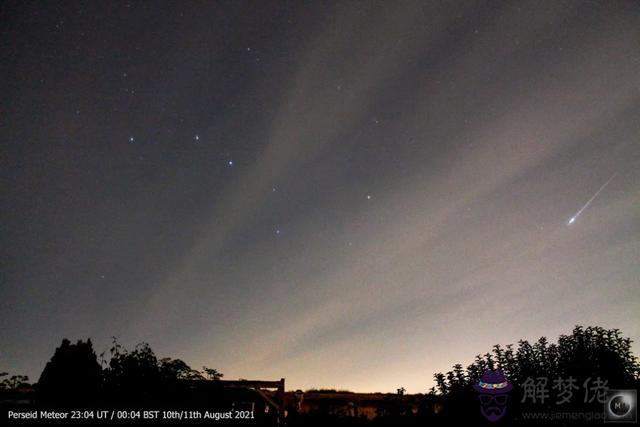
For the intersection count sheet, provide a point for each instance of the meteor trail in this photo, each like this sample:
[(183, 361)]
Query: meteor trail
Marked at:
[(573, 218)]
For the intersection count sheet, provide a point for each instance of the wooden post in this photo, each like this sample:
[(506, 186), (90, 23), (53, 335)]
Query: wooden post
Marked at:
[(280, 400)]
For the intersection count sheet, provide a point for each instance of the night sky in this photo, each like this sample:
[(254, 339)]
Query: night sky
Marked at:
[(352, 195)]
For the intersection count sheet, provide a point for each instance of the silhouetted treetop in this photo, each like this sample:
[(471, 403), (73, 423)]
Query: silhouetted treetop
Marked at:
[(72, 376), (587, 352), (12, 382)]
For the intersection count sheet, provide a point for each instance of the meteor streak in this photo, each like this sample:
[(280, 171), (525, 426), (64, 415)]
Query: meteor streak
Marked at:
[(573, 218)]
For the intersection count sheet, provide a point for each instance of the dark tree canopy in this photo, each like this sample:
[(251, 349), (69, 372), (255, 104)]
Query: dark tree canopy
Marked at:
[(12, 382), (586, 352), (139, 376), (72, 376)]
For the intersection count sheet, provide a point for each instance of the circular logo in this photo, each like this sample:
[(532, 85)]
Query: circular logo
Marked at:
[(619, 405)]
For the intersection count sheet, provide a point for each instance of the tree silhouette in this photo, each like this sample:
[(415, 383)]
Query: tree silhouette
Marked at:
[(132, 376), (212, 374), (586, 354), (139, 377), (13, 382), (176, 369), (72, 376)]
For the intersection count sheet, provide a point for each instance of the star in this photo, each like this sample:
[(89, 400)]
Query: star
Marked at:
[(230, 163), (273, 189), (368, 196), (197, 138), (131, 140), (278, 231)]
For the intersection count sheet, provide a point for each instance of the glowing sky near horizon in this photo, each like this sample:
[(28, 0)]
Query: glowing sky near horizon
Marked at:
[(352, 195)]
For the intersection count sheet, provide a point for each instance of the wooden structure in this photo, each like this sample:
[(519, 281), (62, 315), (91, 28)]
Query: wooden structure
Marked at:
[(271, 391)]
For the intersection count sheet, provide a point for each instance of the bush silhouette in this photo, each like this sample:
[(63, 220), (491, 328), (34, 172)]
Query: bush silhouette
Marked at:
[(586, 355), (587, 352)]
